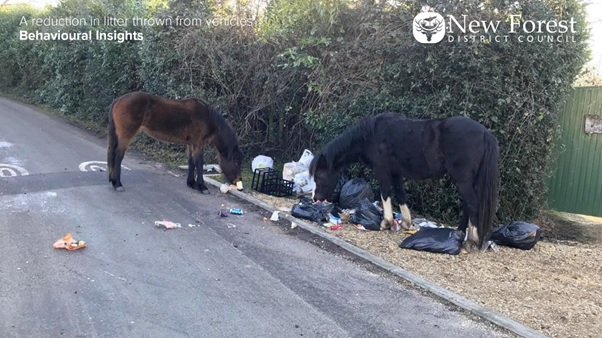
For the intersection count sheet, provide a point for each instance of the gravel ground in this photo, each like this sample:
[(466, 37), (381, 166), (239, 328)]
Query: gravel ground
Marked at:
[(554, 288)]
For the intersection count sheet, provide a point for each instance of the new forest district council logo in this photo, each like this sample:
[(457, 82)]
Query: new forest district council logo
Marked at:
[(429, 27)]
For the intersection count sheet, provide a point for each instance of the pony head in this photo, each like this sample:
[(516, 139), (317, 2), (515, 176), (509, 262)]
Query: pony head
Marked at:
[(231, 165), (325, 176)]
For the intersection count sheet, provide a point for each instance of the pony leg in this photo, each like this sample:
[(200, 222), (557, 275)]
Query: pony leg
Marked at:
[(111, 146), (384, 181), (116, 169), (464, 222), (120, 137), (190, 181), (387, 221), (406, 217), (198, 158), (470, 214), (195, 170), (471, 243)]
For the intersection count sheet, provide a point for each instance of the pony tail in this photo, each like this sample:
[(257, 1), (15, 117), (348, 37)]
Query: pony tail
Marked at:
[(487, 185), (111, 143)]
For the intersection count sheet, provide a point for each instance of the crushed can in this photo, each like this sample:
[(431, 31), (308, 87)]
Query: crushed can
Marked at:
[(236, 211)]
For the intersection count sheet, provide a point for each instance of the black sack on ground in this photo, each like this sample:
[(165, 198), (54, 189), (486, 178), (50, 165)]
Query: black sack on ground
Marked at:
[(516, 234), (437, 240), (353, 191), (317, 212), (368, 215)]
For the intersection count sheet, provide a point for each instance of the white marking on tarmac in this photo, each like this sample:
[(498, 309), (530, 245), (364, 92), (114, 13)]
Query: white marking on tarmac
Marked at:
[(96, 166), (112, 275), (4, 144), (11, 170)]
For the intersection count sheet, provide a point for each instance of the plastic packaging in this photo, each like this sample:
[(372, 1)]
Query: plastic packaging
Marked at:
[(236, 211), (261, 162), (167, 224), (69, 243)]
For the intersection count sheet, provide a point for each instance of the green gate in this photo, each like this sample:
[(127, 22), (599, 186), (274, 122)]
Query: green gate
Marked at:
[(576, 185)]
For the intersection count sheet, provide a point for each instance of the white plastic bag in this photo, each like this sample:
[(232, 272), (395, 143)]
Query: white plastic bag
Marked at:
[(303, 183), (261, 161), (291, 169), (306, 158), (298, 172)]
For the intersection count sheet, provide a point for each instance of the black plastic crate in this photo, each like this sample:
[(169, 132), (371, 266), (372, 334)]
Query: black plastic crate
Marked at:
[(268, 181)]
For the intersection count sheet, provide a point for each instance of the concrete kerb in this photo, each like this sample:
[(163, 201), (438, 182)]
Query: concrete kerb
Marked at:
[(468, 305)]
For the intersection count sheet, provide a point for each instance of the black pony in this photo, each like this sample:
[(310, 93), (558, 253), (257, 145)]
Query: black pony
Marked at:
[(398, 148), (192, 122)]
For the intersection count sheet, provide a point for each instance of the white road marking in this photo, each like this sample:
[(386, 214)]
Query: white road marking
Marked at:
[(96, 166), (11, 170), (4, 144), (112, 275)]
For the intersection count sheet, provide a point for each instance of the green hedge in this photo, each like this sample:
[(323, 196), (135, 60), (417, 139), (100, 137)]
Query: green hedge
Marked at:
[(308, 69)]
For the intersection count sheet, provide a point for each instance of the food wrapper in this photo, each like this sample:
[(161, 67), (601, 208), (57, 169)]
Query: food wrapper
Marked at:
[(69, 243), (167, 224), (224, 188)]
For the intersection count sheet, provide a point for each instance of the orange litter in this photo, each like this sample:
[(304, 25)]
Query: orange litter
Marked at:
[(69, 243)]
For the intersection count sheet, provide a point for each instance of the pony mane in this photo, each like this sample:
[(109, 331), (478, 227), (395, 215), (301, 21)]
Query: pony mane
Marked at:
[(346, 143), (226, 139)]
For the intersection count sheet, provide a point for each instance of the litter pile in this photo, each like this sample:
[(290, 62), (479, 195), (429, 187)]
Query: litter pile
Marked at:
[(353, 204), (294, 178)]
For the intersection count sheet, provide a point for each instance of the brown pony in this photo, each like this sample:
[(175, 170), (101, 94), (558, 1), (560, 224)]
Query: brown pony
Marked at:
[(189, 121)]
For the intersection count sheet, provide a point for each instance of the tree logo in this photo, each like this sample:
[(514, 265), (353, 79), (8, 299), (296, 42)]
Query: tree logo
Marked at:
[(429, 27)]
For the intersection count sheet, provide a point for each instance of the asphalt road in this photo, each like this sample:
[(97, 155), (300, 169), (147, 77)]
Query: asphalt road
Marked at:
[(224, 277)]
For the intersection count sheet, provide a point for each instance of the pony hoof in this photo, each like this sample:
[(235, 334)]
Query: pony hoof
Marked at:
[(469, 247), (120, 188), (406, 225), (205, 191), (384, 224)]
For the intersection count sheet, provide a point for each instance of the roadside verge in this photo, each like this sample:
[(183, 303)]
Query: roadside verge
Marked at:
[(468, 305)]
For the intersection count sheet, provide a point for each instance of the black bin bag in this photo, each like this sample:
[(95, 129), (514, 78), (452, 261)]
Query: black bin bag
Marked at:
[(516, 234), (317, 212), (367, 215), (353, 192), (437, 240), (334, 198)]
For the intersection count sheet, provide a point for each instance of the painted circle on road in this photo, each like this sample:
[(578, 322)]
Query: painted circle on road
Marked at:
[(96, 166), (11, 170)]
